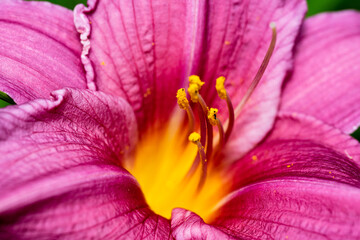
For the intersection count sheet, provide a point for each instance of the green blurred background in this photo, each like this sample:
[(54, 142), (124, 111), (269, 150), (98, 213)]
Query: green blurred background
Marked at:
[(318, 6), (315, 6)]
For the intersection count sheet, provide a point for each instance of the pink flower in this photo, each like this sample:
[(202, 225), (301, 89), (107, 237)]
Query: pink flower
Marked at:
[(288, 171)]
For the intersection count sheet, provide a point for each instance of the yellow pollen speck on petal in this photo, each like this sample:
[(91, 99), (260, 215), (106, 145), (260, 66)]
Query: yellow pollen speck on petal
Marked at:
[(288, 166), (212, 113), (152, 43), (194, 137), (330, 172), (254, 158), (227, 42), (220, 87), (181, 99), (102, 63), (147, 93)]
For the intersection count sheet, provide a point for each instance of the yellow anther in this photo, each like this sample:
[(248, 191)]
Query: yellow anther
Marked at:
[(194, 137), (194, 79), (220, 87), (193, 91), (181, 99), (194, 87), (212, 116)]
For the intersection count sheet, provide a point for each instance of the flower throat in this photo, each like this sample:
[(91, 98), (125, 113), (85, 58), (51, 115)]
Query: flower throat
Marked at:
[(181, 169)]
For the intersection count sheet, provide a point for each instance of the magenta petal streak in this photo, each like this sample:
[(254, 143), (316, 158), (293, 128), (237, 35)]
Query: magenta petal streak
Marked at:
[(39, 50)]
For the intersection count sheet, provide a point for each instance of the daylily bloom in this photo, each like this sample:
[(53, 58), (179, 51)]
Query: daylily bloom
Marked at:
[(107, 155)]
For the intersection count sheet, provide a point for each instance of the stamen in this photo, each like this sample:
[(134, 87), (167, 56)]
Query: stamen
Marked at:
[(194, 87), (209, 130), (259, 73), (224, 95), (184, 104), (195, 138), (214, 120)]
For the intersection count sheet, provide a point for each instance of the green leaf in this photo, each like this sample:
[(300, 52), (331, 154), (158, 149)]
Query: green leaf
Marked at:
[(5, 100), (356, 134), (70, 4), (318, 6)]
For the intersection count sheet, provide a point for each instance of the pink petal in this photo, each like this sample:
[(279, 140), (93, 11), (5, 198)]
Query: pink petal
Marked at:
[(290, 209), (301, 147), (146, 51), (187, 225), (61, 175), (325, 82), (39, 50)]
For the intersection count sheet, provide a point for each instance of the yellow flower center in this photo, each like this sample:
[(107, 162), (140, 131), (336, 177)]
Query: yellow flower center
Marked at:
[(166, 165), (162, 161)]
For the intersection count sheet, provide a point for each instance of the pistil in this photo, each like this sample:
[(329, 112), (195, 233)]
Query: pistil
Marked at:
[(259, 73)]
